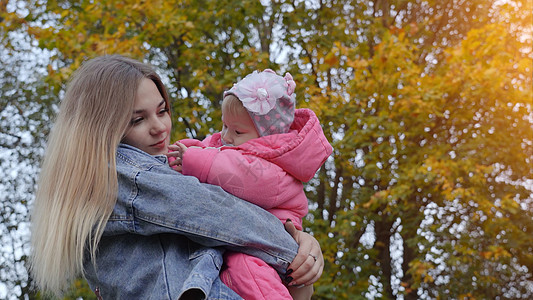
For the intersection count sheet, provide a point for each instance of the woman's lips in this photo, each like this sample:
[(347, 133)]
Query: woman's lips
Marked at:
[(159, 144)]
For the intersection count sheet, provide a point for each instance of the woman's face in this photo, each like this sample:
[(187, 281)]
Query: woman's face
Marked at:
[(150, 124)]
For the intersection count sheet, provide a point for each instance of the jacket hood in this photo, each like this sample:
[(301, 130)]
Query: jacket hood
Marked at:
[(300, 152)]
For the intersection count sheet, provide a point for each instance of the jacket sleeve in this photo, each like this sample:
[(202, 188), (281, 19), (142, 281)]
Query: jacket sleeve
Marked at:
[(207, 215), (192, 143), (246, 176)]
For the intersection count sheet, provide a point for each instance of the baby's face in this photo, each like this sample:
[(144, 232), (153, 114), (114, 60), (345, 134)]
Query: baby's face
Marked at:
[(238, 128)]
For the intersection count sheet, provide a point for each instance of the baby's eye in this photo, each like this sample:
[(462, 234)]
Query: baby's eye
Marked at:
[(238, 132)]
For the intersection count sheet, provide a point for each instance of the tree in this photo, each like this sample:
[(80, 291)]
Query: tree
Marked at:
[(414, 158), (26, 108), (427, 104), (201, 47)]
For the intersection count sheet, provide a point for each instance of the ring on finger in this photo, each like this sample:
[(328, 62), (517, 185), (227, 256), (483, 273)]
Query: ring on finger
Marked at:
[(313, 256)]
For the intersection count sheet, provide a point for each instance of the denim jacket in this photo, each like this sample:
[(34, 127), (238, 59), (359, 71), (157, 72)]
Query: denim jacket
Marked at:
[(167, 234)]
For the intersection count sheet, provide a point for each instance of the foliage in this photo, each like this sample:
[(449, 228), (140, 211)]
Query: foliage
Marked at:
[(25, 113), (428, 105), (424, 113)]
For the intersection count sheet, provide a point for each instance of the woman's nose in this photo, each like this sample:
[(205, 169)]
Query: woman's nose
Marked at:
[(157, 127)]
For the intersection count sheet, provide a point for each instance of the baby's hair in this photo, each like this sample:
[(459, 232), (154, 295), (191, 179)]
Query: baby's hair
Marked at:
[(233, 106)]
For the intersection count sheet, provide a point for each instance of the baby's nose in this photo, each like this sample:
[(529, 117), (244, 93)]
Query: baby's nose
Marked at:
[(226, 137)]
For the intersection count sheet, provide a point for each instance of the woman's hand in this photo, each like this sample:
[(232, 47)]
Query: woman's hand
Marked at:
[(176, 151), (308, 264)]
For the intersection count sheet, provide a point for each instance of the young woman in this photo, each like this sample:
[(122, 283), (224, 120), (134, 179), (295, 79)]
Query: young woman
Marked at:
[(110, 208)]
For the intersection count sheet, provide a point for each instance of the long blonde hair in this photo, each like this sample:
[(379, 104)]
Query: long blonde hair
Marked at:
[(77, 186)]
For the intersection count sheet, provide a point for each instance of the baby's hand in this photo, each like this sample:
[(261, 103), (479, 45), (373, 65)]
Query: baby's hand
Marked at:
[(176, 151)]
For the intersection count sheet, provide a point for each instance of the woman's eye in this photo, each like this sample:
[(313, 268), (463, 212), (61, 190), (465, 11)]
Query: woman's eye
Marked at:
[(136, 121), (163, 111)]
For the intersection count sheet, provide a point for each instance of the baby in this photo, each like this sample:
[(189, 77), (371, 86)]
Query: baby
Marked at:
[(266, 149)]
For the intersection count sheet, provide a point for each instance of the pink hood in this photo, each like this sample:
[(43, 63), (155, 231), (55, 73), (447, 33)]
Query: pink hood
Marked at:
[(300, 152)]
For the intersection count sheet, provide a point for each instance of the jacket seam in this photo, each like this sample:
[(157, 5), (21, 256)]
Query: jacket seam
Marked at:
[(164, 266)]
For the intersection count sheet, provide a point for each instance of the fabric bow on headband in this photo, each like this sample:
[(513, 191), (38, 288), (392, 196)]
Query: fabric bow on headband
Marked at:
[(259, 91), (269, 100)]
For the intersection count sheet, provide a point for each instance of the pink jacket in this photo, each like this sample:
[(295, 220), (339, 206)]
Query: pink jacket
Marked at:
[(267, 171)]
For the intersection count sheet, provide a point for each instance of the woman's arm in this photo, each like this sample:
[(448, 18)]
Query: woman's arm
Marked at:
[(154, 198), (211, 216)]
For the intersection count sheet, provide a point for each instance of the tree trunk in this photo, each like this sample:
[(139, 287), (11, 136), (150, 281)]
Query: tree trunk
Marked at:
[(383, 235), (321, 189), (408, 255), (334, 195)]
